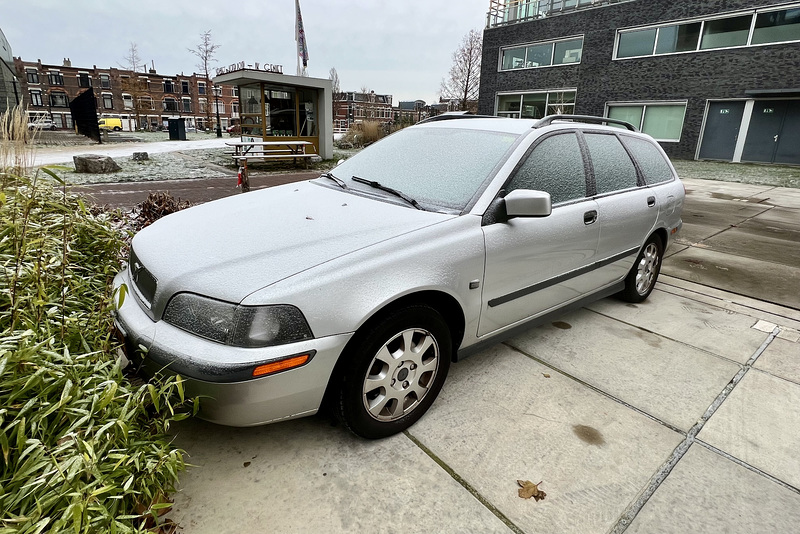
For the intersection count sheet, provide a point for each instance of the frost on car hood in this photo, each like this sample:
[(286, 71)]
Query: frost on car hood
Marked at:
[(229, 248)]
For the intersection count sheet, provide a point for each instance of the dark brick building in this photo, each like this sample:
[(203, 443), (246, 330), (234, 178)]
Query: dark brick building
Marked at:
[(708, 79)]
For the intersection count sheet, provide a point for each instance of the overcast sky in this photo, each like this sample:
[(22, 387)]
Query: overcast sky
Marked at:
[(403, 48)]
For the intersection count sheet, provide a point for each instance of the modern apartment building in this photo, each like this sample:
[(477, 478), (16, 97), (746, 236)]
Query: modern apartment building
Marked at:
[(710, 79), (141, 99), (9, 87)]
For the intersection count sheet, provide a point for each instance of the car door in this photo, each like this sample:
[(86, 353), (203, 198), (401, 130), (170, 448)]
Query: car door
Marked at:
[(627, 209), (536, 264)]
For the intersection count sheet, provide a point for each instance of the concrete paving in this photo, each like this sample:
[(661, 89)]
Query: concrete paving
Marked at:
[(680, 414)]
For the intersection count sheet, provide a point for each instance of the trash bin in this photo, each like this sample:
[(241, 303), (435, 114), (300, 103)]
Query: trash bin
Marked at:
[(177, 129)]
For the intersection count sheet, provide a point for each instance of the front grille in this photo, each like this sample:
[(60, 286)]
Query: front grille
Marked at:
[(144, 281)]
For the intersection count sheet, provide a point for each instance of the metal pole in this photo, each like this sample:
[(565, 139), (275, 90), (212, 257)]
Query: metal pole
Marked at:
[(217, 91)]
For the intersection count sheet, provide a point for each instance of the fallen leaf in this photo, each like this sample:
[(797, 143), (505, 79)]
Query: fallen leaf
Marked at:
[(528, 489), (546, 375)]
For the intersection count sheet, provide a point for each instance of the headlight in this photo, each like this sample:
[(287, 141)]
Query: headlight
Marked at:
[(238, 326)]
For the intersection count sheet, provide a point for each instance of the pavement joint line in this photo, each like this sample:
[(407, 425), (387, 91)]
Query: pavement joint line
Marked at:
[(466, 485), (678, 453), (747, 466), (596, 389)]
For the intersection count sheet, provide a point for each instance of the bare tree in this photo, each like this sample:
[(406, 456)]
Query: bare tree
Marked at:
[(463, 81), (133, 85), (334, 78), (205, 51)]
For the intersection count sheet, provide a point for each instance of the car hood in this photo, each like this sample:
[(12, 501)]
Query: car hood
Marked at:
[(232, 247)]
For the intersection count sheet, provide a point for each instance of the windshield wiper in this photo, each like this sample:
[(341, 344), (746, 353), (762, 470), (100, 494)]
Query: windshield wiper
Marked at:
[(338, 181), (395, 192)]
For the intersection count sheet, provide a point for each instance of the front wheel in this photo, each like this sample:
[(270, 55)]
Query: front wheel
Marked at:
[(395, 372), (643, 275)]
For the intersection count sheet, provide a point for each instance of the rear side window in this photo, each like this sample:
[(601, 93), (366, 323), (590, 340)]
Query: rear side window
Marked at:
[(652, 163), (613, 168), (556, 166)]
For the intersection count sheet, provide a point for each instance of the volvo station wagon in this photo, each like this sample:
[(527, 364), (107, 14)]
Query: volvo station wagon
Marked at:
[(358, 289)]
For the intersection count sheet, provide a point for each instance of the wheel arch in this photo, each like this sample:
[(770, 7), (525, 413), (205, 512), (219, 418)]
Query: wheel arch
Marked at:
[(445, 304)]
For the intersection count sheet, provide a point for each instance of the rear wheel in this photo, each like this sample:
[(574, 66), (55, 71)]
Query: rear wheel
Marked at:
[(395, 372), (643, 275)]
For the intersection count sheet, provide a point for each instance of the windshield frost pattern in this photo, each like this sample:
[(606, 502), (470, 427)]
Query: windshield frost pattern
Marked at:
[(442, 167)]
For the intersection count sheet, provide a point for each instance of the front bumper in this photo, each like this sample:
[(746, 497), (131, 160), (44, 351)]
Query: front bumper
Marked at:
[(206, 366)]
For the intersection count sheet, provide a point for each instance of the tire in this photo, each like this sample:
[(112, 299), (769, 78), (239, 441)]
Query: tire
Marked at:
[(117, 128), (389, 382), (642, 277)]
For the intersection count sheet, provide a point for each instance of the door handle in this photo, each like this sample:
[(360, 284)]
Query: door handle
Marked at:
[(589, 217), (651, 201)]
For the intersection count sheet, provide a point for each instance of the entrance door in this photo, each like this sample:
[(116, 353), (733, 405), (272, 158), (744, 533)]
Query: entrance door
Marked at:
[(788, 146), (722, 130), (764, 133)]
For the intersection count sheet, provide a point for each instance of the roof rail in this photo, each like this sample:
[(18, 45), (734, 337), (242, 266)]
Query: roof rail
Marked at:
[(583, 118), (456, 115)]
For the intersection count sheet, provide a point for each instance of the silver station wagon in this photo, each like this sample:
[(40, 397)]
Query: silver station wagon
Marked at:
[(356, 290)]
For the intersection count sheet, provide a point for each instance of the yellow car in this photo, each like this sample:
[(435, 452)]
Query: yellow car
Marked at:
[(110, 124)]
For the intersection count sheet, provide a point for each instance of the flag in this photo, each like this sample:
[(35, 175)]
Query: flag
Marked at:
[(300, 37)]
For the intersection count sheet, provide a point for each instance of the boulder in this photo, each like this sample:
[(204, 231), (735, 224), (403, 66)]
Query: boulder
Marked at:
[(95, 164), (140, 156)]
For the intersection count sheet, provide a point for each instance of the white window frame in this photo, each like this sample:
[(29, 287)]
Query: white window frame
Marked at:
[(539, 43), (522, 94), (644, 104), (733, 14)]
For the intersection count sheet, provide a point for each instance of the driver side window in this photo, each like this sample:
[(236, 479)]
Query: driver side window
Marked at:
[(556, 166)]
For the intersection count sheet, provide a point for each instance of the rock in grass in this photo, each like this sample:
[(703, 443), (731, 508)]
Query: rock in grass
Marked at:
[(140, 156), (95, 164)]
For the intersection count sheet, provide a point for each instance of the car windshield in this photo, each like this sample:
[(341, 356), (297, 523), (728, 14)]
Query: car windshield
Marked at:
[(437, 167)]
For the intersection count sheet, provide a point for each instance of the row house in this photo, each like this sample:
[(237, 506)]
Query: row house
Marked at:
[(352, 108), (143, 100)]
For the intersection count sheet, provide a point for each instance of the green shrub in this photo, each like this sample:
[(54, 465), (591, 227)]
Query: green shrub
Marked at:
[(81, 449)]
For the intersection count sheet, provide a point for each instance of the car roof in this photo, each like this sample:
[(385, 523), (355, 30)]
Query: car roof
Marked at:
[(495, 124), (521, 126)]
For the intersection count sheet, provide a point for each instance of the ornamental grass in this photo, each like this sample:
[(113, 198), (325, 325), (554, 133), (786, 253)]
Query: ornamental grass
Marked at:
[(82, 449)]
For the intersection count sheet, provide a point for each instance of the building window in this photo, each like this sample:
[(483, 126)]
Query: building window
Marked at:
[(145, 102), (170, 104), (201, 88), (108, 101), (185, 87), (536, 105), (105, 81), (187, 105), (662, 120), (202, 104), (777, 26), (127, 101), (58, 120), (36, 98), (169, 86), (219, 107), (545, 54), (235, 90), (769, 26), (84, 80), (59, 99), (32, 75), (55, 78), (234, 109)]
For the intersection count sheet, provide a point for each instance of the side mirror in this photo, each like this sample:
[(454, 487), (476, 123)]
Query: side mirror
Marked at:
[(527, 203)]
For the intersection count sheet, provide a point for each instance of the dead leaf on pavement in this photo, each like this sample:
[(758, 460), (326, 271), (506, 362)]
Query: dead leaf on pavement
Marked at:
[(528, 489)]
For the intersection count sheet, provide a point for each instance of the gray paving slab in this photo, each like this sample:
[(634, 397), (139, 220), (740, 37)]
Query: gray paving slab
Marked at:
[(782, 359), (760, 241), (701, 325), (759, 423), (734, 189), (502, 416), (306, 476), (707, 493), (764, 280), (703, 218), (667, 379)]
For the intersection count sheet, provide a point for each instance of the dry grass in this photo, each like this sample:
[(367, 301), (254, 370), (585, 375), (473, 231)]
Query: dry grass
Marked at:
[(17, 149)]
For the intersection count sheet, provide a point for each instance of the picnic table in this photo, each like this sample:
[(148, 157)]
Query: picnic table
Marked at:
[(244, 151)]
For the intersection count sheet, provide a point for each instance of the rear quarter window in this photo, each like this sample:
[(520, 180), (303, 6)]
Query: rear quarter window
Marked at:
[(613, 168), (652, 162)]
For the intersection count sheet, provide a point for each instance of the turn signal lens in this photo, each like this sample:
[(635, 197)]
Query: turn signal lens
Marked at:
[(281, 365)]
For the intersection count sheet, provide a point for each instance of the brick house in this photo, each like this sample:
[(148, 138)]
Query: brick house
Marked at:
[(710, 79), (141, 99), (354, 107)]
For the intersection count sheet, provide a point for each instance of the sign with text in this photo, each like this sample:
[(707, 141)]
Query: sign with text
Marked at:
[(266, 67)]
